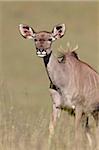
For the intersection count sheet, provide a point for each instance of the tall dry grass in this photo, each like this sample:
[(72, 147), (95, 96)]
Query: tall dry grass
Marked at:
[(21, 128), (25, 107)]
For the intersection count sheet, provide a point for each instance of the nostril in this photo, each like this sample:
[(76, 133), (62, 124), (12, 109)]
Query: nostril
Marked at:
[(42, 50)]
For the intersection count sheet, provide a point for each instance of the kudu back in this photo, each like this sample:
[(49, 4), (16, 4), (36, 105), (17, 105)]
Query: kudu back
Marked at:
[(73, 83)]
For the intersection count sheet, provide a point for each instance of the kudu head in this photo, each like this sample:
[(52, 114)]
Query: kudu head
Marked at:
[(43, 39)]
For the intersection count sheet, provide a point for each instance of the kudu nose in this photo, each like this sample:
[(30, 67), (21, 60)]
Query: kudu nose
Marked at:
[(40, 49), (40, 52)]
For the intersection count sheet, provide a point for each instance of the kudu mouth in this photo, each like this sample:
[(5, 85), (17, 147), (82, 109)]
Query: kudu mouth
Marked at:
[(41, 52)]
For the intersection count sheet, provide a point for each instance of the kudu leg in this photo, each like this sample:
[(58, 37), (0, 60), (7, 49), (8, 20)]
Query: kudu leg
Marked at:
[(96, 117), (88, 133), (53, 120), (55, 112), (87, 130), (78, 120)]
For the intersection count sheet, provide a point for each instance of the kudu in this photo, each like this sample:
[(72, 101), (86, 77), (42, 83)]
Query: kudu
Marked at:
[(73, 83)]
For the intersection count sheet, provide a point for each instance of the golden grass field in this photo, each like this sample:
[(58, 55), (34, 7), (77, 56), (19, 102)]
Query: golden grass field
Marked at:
[(25, 103)]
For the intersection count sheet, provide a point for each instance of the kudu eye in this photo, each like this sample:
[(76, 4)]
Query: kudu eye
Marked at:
[(35, 40), (50, 39)]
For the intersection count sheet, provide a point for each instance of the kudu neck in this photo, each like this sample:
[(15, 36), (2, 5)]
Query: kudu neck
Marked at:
[(47, 58)]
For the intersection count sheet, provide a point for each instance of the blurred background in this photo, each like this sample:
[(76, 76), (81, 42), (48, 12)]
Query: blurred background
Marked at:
[(25, 103)]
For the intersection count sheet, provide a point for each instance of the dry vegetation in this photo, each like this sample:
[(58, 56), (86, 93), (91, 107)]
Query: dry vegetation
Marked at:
[(25, 104), (21, 129)]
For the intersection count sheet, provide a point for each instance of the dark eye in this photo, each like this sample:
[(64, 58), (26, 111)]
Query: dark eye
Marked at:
[(50, 39), (35, 40)]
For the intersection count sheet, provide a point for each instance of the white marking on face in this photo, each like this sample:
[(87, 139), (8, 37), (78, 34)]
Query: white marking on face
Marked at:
[(41, 54)]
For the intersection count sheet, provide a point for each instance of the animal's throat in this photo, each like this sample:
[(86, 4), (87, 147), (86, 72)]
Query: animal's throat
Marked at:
[(47, 58)]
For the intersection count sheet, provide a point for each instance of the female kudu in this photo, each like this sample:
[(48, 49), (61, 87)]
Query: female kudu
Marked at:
[(73, 83)]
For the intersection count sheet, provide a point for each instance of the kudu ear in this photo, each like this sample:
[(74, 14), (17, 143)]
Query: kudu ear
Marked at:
[(26, 31), (58, 31)]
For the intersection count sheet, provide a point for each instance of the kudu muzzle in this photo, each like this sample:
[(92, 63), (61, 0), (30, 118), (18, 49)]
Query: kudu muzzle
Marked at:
[(41, 52)]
